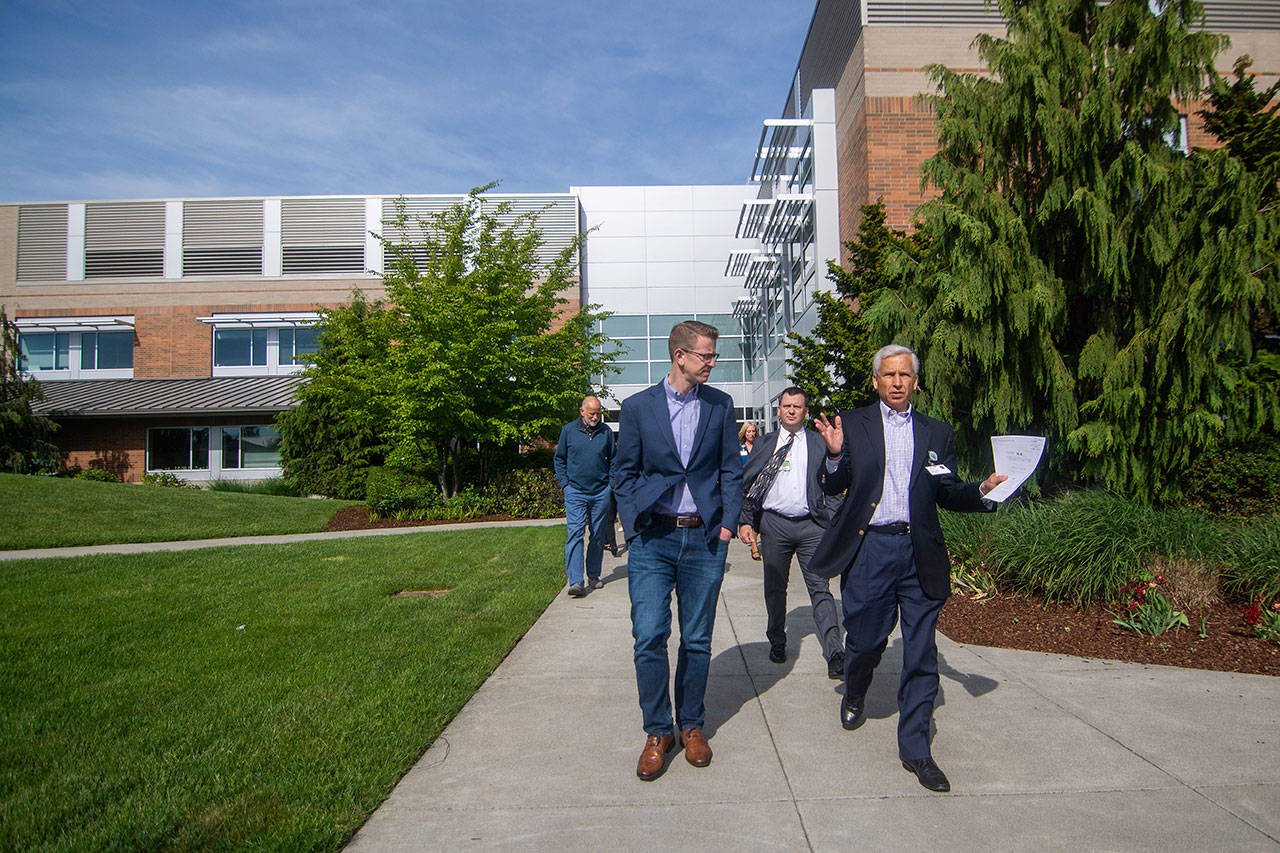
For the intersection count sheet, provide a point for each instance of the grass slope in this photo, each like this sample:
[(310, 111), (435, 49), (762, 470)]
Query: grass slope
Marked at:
[(138, 713), (48, 512)]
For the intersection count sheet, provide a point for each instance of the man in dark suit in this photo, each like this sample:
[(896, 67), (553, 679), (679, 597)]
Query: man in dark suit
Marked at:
[(898, 466), (784, 505), (678, 485)]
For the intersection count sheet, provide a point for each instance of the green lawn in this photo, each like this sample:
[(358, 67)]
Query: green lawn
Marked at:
[(257, 696), (47, 512)]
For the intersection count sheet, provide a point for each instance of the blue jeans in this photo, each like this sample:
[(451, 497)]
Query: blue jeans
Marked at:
[(580, 508), (663, 559)]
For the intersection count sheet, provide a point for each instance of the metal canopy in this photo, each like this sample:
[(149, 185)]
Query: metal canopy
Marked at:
[(204, 395), (122, 323)]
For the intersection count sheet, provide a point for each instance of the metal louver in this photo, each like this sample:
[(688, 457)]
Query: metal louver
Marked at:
[(124, 239), (557, 218), (322, 235), (222, 237), (42, 242)]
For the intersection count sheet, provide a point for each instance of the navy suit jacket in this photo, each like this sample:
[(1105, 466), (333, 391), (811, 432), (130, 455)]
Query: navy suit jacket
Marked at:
[(861, 471), (647, 464), (821, 505)]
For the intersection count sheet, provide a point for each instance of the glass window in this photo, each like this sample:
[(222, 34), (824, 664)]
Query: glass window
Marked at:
[(259, 447), (250, 447), (660, 324), (625, 349), (106, 350), (726, 323), (306, 340), (46, 351), (727, 371), (633, 373), (626, 326), (239, 347), (658, 350), (177, 448)]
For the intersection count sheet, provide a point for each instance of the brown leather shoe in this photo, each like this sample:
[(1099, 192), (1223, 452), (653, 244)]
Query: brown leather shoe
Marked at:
[(653, 756), (696, 749)]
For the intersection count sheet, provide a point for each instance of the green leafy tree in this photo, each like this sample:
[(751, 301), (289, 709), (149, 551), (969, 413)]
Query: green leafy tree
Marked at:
[(1088, 281), (26, 439), (471, 349), (833, 363)]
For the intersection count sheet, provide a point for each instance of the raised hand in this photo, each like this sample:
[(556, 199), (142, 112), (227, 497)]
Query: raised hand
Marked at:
[(832, 434)]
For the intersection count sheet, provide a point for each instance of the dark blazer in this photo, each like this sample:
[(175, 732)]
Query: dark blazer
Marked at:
[(821, 505), (647, 464), (861, 472)]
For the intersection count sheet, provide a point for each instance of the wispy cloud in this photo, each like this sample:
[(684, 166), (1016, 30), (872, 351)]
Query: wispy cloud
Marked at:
[(336, 97)]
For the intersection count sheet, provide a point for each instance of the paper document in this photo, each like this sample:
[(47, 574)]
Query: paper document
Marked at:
[(1016, 457)]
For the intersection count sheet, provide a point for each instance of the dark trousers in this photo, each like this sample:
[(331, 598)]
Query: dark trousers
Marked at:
[(882, 584), (780, 538)]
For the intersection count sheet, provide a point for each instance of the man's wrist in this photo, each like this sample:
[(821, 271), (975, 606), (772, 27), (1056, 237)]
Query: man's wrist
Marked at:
[(834, 456)]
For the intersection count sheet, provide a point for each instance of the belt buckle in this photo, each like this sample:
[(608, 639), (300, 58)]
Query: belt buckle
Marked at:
[(686, 521)]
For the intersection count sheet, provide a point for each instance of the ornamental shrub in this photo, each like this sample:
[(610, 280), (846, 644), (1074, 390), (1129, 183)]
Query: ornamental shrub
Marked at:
[(1239, 480), (529, 493), (97, 475), (396, 493)]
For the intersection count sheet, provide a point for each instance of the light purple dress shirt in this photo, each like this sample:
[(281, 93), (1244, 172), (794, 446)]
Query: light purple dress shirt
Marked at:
[(683, 410), (899, 453)]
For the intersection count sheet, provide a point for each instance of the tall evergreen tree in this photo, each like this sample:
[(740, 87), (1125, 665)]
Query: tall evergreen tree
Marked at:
[(833, 363), (1089, 281)]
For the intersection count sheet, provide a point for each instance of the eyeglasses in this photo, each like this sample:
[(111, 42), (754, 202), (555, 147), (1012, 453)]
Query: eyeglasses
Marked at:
[(705, 356)]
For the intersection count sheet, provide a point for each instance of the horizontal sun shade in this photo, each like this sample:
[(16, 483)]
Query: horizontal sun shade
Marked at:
[(75, 324), (124, 239), (557, 218), (739, 262), (322, 235), (222, 237), (262, 321), (42, 242)]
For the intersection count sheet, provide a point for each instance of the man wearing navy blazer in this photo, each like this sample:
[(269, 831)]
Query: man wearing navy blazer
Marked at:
[(898, 466), (677, 480)]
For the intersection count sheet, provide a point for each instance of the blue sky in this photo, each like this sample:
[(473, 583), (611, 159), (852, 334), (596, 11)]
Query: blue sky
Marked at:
[(136, 100)]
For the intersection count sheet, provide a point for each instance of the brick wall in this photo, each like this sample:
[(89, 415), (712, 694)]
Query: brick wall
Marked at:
[(120, 445)]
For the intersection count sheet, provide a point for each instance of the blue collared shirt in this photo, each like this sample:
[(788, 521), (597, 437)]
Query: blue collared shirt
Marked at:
[(683, 411)]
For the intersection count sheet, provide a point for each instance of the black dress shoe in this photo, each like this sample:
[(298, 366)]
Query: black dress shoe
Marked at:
[(778, 654), (852, 712), (929, 774), (835, 666)]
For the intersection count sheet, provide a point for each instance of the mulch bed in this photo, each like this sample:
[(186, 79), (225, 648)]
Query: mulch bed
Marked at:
[(1030, 623)]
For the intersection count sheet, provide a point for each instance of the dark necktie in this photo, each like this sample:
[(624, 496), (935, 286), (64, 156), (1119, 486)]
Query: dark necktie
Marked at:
[(769, 473)]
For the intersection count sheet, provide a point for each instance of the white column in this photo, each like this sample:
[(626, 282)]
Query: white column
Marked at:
[(373, 254), (272, 263), (826, 197), (173, 239), (75, 241)]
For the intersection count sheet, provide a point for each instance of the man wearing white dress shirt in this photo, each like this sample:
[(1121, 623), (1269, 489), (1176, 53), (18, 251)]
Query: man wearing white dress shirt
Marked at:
[(785, 507)]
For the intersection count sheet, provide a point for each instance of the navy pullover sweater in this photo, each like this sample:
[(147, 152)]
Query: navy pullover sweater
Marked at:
[(584, 456)]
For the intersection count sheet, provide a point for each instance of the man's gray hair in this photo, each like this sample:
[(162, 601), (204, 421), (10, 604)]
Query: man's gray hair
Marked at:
[(890, 351)]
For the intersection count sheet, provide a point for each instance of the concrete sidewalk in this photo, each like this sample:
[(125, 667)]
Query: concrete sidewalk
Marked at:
[(277, 539), (1043, 751)]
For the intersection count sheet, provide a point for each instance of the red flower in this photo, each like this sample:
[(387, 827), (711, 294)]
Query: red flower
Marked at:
[(1159, 578), (1133, 605), (1252, 614)]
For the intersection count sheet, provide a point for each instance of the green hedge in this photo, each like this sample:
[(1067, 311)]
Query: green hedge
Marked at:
[(521, 493)]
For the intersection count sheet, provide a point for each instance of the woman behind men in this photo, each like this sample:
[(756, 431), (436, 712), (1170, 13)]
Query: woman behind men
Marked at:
[(746, 438)]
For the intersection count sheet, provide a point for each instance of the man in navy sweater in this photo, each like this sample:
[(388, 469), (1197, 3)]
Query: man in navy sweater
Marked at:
[(583, 463)]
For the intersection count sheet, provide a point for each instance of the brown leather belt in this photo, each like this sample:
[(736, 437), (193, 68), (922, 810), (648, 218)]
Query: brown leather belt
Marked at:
[(693, 520)]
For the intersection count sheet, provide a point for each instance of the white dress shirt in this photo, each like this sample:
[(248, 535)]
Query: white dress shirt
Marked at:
[(789, 494)]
